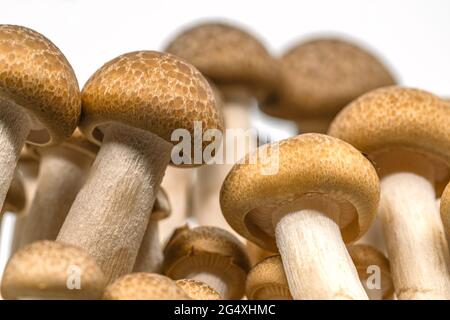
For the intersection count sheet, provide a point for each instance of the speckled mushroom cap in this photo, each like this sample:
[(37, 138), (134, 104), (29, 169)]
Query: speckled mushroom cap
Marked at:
[(198, 290), (144, 286), (397, 118), (267, 281), (306, 167), (363, 257), (208, 249), (161, 208), (445, 209), (15, 198), (44, 269), (229, 56), (319, 77), (36, 76), (151, 91)]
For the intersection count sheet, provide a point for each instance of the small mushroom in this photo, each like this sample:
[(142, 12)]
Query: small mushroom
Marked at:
[(144, 286), (211, 255), (406, 133), (50, 270), (62, 173), (198, 290), (267, 281), (150, 256), (321, 76), (131, 106), (323, 194), (15, 198), (39, 96)]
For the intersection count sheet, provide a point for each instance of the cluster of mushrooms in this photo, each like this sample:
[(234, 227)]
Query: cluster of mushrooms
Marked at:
[(104, 213)]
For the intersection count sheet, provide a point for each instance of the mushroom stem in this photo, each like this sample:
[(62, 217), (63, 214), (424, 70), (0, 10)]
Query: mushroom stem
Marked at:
[(62, 173), (111, 212), (315, 259), (15, 126), (418, 250), (150, 256), (213, 280)]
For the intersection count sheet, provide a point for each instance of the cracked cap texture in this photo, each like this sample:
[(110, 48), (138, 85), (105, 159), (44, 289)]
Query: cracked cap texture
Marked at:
[(198, 290), (35, 75)]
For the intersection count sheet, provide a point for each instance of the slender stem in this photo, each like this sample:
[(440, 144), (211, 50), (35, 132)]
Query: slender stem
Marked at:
[(111, 212), (62, 173), (213, 281), (150, 256), (315, 259)]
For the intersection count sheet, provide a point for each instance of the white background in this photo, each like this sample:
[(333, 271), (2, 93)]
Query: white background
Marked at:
[(413, 37)]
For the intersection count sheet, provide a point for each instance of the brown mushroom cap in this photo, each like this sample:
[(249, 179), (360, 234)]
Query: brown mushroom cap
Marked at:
[(445, 209), (208, 249), (198, 290), (229, 56), (15, 198), (256, 253), (144, 286), (321, 76), (267, 280), (151, 91), (363, 257), (42, 269), (310, 166), (396, 118), (161, 208), (36, 76)]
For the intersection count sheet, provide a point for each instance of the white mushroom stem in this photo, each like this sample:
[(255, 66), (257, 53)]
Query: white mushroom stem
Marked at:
[(315, 259), (150, 256), (212, 280), (62, 173), (111, 212), (15, 126), (418, 250)]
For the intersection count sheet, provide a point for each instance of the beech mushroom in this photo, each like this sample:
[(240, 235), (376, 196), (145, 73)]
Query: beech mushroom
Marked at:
[(321, 76), (63, 171), (131, 106), (324, 193), (198, 290), (244, 71), (50, 270), (267, 281), (256, 254), (406, 133), (373, 270), (39, 96), (445, 210), (15, 198), (144, 286), (211, 255), (150, 255)]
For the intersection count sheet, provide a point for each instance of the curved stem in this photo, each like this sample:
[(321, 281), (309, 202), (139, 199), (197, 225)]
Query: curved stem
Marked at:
[(315, 259), (150, 256), (111, 212)]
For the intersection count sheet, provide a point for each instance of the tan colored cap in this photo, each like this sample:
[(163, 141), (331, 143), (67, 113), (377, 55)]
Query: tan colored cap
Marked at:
[(198, 290), (319, 77), (229, 56), (144, 286), (52, 270), (148, 90), (161, 208), (396, 118), (366, 256), (256, 253), (267, 281), (15, 198), (36, 76), (445, 209), (308, 166), (208, 249)]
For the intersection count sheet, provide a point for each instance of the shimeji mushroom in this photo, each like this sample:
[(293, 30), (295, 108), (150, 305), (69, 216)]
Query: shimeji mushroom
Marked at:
[(321, 76), (39, 96), (15, 198), (198, 290), (406, 133), (373, 270), (445, 210), (50, 270), (144, 286), (324, 193), (211, 255), (242, 68), (131, 106), (267, 281), (256, 254), (150, 256), (62, 173)]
